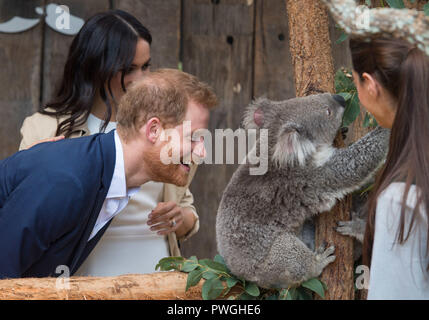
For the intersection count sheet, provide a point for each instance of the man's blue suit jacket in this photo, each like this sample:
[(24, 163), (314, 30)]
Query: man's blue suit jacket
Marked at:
[(50, 198)]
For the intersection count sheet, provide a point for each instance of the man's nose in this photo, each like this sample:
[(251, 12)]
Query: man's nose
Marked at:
[(339, 99)]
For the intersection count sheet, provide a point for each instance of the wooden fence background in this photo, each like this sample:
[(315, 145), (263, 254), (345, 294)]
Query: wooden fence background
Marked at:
[(240, 47)]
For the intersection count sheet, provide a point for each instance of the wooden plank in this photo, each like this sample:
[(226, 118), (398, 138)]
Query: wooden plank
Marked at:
[(20, 58), (217, 47), (162, 18), (56, 45), (274, 73)]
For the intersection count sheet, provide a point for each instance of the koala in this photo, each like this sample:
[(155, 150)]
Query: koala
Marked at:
[(260, 217)]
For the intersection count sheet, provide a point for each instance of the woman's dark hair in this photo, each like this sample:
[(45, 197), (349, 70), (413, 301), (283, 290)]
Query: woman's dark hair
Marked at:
[(105, 45), (403, 70)]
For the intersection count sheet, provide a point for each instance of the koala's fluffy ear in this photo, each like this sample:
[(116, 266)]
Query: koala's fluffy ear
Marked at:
[(254, 114), (292, 146)]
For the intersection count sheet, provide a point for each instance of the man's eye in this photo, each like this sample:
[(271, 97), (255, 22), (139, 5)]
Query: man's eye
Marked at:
[(145, 66)]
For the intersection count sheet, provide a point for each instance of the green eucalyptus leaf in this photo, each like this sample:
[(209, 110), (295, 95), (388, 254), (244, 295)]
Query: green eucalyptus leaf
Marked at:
[(315, 285), (212, 289), (230, 282), (213, 265), (194, 278), (352, 110), (304, 294), (396, 4), (219, 258), (368, 3), (252, 289), (344, 81), (189, 265), (170, 263), (209, 275)]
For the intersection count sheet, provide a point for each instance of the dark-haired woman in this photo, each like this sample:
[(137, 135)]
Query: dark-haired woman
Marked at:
[(392, 79), (110, 52)]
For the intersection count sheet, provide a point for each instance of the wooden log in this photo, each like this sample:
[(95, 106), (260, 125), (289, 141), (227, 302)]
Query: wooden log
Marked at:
[(312, 59), (155, 286)]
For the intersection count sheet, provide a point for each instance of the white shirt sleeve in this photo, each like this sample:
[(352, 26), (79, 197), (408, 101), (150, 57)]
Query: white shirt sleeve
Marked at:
[(398, 271)]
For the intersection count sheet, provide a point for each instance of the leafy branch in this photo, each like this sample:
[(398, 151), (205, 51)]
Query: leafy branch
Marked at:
[(219, 281)]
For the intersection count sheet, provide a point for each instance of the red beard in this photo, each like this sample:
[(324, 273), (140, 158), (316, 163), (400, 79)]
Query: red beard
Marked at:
[(167, 173)]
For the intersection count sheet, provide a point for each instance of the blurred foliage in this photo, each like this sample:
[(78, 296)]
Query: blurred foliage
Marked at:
[(345, 87)]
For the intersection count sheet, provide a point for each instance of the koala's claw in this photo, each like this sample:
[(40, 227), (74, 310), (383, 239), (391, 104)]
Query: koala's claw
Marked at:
[(321, 248), (323, 255), (323, 258), (353, 228), (345, 228)]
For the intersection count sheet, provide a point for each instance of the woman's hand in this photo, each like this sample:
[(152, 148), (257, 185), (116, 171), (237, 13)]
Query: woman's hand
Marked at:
[(47, 140), (168, 217)]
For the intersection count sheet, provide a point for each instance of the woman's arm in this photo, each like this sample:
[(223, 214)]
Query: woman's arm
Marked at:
[(192, 221), (398, 271), (36, 128)]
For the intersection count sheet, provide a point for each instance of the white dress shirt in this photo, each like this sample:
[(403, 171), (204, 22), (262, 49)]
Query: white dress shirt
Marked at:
[(398, 271), (118, 195), (128, 245)]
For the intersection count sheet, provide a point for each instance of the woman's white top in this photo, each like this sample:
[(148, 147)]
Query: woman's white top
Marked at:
[(128, 245), (398, 271)]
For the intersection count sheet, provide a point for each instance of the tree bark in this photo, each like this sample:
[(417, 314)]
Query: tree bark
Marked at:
[(155, 286), (310, 47)]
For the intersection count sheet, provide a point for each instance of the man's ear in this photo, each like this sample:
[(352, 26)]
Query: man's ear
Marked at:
[(152, 129), (292, 146)]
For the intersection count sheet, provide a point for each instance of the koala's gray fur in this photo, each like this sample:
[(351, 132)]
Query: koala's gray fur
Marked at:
[(260, 216), (356, 226)]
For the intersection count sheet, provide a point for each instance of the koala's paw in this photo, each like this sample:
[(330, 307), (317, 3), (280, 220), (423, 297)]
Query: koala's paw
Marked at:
[(323, 258), (353, 228)]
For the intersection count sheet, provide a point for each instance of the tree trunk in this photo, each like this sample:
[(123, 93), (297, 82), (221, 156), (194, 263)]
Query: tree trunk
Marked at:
[(155, 286), (310, 47)]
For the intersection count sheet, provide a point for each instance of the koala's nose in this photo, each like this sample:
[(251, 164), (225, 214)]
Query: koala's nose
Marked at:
[(339, 99)]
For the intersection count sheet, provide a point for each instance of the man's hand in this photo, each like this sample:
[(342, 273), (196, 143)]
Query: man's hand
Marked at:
[(168, 217)]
